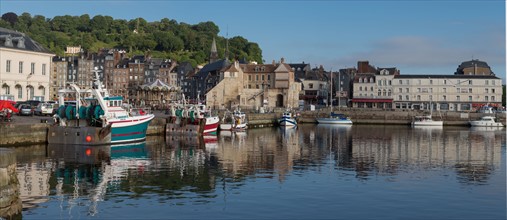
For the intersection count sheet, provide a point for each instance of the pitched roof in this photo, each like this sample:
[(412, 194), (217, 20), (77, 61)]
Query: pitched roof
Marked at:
[(18, 40), (215, 66), (473, 63)]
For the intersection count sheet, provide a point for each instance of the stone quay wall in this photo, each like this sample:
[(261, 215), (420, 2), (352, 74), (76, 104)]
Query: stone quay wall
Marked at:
[(19, 133), (10, 203)]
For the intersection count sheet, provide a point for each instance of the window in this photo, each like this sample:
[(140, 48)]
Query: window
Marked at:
[(32, 68), (431, 90), (431, 82), (371, 88), (445, 82), (371, 80), (360, 80), (401, 82), (486, 98), (469, 82), (379, 92), (269, 77), (399, 97), (492, 98), (7, 89), (249, 77), (400, 90), (389, 92), (389, 82), (408, 82), (431, 98), (407, 97), (43, 69), (20, 66), (418, 90), (486, 90), (262, 77), (493, 81), (384, 92), (8, 66), (444, 97), (310, 85), (360, 88), (407, 90), (20, 92), (418, 98), (469, 90), (487, 82), (445, 90), (470, 98), (458, 98), (380, 82), (492, 90)]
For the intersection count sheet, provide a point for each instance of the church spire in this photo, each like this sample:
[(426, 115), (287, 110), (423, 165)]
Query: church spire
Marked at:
[(214, 54)]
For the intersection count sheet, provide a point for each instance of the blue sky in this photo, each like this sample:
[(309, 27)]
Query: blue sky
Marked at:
[(417, 37)]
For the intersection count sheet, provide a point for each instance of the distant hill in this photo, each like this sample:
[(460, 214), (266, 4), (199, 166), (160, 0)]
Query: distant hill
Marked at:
[(165, 38)]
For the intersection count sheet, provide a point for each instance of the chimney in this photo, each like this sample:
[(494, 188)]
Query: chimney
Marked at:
[(282, 60)]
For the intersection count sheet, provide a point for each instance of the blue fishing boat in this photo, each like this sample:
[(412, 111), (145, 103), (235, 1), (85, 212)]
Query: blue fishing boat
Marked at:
[(96, 118)]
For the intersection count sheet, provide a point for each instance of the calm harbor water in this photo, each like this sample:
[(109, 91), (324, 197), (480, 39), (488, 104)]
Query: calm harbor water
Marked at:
[(312, 172)]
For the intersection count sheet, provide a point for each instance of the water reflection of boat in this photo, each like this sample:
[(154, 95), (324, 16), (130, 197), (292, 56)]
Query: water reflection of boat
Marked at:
[(80, 154), (486, 128)]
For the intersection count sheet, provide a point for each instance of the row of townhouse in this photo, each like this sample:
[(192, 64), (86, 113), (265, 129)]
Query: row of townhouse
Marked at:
[(222, 83)]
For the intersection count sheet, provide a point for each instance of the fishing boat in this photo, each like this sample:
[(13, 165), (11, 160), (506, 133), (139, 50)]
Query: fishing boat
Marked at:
[(96, 118), (191, 119), (334, 118), (234, 121), (486, 121), (287, 120)]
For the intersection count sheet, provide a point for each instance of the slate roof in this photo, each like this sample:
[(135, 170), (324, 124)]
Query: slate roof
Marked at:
[(30, 44), (215, 66), (472, 63)]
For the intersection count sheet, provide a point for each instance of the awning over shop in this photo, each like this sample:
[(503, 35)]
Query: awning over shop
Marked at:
[(372, 100)]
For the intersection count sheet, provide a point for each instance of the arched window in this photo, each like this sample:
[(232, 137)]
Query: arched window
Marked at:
[(7, 89), (360, 88), (384, 92), (371, 80), (19, 90), (379, 92), (360, 80), (389, 92), (371, 88)]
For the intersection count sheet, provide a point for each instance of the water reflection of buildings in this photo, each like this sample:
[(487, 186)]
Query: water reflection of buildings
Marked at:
[(389, 151), (264, 150)]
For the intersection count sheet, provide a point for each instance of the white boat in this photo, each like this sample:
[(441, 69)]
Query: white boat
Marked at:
[(92, 109), (235, 121), (287, 120), (486, 121), (426, 120), (335, 119)]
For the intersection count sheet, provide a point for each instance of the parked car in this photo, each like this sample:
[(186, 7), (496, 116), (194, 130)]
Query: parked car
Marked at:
[(46, 108), (26, 109)]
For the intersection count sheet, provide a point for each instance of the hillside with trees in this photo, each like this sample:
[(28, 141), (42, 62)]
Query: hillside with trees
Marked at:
[(166, 38)]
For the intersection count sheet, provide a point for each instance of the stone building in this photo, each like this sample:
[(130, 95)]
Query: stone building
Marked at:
[(251, 86), (25, 67)]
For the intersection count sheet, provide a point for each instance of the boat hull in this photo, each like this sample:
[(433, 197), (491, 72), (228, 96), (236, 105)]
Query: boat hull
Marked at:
[(333, 121), (211, 125), (428, 123), (485, 124), (287, 122), (130, 130)]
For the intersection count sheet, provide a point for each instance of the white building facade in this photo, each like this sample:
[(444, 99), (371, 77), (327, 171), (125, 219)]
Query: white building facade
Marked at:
[(446, 92), (24, 67)]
